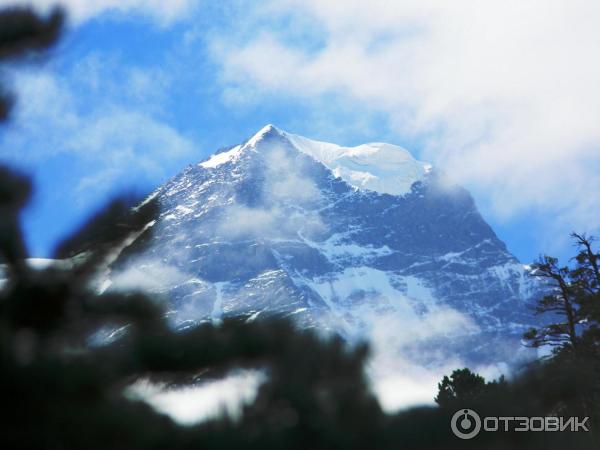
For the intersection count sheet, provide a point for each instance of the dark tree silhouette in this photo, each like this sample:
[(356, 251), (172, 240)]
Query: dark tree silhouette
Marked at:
[(464, 387), (573, 308), (561, 304)]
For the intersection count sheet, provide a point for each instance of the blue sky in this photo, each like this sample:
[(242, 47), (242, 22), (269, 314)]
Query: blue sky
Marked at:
[(503, 98)]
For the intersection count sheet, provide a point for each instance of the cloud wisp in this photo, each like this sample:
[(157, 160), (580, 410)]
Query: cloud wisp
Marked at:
[(289, 195)]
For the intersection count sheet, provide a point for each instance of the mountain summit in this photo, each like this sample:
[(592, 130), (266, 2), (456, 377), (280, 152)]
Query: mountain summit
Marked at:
[(362, 241), (379, 167)]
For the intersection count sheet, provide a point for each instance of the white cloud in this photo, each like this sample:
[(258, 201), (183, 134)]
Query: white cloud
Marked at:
[(162, 12), (503, 93), (146, 274), (113, 137), (120, 133)]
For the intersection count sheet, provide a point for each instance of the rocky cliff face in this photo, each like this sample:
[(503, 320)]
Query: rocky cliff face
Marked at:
[(363, 241)]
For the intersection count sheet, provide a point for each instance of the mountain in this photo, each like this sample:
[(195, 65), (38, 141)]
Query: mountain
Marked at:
[(364, 241)]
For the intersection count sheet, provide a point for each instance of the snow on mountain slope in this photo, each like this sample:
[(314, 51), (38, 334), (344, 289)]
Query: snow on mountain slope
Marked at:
[(378, 167), (366, 242)]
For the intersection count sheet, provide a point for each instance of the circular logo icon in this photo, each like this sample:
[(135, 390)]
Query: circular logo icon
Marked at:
[(465, 424)]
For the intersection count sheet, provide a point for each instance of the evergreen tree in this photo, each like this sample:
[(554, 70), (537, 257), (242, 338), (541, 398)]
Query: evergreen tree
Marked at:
[(572, 308), (585, 278), (560, 304), (464, 387)]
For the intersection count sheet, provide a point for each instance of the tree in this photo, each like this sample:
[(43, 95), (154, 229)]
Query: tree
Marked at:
[(585, 278), (574, 303), (561, 304), (574, 329), (463, 387)]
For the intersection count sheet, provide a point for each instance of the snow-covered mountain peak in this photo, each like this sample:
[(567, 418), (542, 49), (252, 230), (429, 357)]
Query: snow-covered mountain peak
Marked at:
[(234, 153), (379, 167), (260, 135)]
